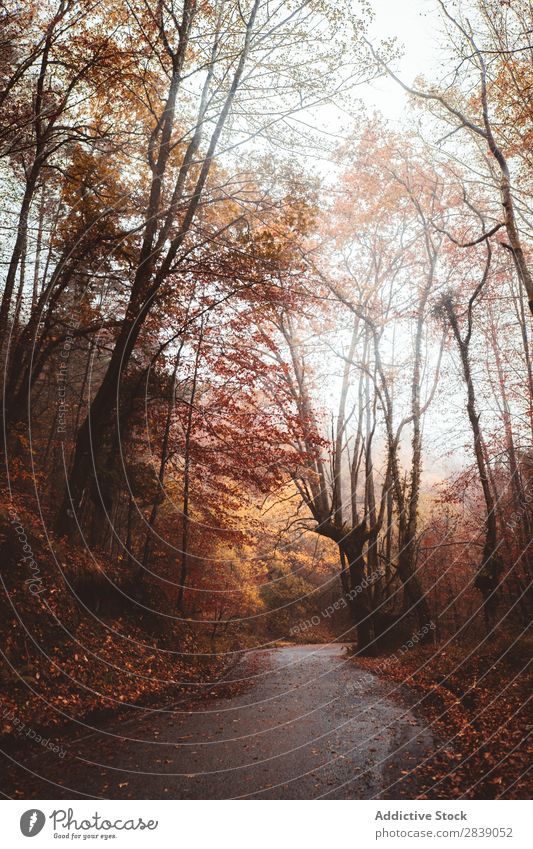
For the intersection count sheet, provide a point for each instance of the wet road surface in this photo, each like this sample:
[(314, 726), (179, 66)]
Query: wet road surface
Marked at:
[(307, 723)]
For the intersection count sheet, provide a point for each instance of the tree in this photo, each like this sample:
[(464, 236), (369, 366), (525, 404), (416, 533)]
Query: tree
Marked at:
[(224, 44), (488, 575), (489, 48)]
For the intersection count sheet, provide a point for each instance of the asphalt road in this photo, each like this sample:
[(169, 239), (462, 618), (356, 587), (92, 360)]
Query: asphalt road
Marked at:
[(306, 722)]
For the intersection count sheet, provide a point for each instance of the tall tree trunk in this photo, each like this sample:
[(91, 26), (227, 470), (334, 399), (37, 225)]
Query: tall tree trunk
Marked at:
[(184, 570), (162, 467), (148, 279), (340, 435), (488, 574), (17, 253)]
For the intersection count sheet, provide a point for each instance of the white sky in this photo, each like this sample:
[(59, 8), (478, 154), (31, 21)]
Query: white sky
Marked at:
[(416, 25)]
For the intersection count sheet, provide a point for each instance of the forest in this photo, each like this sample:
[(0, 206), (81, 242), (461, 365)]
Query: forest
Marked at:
[(266, 365)]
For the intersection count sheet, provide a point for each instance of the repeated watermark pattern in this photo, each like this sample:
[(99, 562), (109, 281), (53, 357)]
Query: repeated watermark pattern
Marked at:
[(9, 715), (517, 515), (394, 658), (62, 377), (340, 603), (34, 582)]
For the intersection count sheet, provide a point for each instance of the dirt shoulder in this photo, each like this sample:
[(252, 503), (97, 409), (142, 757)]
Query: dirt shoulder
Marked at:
[(75, 649), (478, 703)]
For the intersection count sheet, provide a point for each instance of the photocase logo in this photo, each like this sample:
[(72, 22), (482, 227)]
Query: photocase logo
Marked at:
[(32, 822)]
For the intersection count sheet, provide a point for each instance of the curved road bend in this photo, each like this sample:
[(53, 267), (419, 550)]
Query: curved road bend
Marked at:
[(309, 724)]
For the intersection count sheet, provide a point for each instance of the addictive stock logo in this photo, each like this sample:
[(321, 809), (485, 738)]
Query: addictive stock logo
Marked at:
[(32, 822)]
